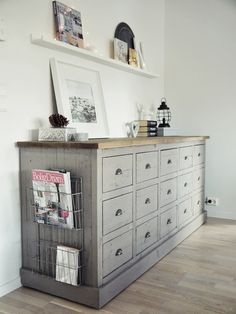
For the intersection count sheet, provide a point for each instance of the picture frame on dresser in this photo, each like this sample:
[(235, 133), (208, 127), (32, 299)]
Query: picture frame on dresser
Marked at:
[(79, 97)]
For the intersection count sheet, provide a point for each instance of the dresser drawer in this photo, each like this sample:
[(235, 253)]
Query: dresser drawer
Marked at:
[(168, 191), (146, 234), (198, 178), (117, 252), (146, 200), (185, 184), (198, 154), (198, 203), (147, 166), (169, 161), (168, 221), (117, 212), (185, 157), (185, 212), (117, 172)]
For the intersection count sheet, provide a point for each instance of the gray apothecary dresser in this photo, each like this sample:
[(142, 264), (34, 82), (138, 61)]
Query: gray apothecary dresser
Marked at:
[(141, 198)]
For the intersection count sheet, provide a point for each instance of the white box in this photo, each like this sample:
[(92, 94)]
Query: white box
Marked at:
[(81, 136), (56, 134), (167, 132)]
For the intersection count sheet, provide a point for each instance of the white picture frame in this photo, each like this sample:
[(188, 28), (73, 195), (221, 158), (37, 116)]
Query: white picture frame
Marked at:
[(120, 50), (79, 97)]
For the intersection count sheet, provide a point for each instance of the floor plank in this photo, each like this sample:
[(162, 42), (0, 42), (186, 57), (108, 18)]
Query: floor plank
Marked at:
[(198, 277)]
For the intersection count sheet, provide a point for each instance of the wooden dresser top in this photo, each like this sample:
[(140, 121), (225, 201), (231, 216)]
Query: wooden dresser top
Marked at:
[(114, 142)]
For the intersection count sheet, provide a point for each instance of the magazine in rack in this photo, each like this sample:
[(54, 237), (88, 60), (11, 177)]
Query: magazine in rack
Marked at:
[(67, 264), (52, 197)]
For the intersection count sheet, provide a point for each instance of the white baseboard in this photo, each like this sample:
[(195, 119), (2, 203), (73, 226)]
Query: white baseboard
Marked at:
[(10, 286), (212, 212)]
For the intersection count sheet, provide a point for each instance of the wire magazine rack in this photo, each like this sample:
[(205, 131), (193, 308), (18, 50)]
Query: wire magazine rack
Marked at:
[(56, 250)]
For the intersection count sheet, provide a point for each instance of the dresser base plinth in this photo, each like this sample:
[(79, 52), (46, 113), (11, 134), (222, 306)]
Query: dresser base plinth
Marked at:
[(98, 297)]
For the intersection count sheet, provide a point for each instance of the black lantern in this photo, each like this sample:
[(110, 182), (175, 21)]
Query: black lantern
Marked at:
[(163, 115)]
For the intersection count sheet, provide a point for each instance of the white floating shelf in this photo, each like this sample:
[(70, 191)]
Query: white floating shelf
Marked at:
[(86, 54)]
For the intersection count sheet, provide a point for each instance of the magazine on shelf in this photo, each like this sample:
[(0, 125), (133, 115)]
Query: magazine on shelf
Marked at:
[(52, 197), (68, 24), (67, 264)]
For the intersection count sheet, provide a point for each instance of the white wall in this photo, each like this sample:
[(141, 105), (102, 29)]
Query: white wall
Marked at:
[(24, 71), (200, 64)]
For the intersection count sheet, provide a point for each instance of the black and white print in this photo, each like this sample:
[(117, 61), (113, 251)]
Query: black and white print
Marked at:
[(81, 102)]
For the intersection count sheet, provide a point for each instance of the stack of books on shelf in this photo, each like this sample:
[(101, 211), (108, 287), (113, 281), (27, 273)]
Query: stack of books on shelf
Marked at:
[(147, 128)]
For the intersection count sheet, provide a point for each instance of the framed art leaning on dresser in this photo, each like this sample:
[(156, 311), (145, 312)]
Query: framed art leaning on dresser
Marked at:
[(79, 97)]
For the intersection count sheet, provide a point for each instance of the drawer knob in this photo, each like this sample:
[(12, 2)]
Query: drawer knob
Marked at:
[(147, 235), (148, 166), (119, 252), (147, 201), (169, 221), (186, 157), (198, 178), (118, 172), (198, 202), (185, 211), (185, 184), (199, 154), (119, 212), (169, 192), (169, 161)]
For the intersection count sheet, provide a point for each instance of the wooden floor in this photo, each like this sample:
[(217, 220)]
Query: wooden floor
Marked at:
[(199, 277)]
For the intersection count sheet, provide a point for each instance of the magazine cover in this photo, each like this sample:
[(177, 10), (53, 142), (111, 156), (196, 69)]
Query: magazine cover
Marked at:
[(68, 24), (52, 197), (67, 264)]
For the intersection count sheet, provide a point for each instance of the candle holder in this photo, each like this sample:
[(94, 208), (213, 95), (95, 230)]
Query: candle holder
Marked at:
[(163, 114)]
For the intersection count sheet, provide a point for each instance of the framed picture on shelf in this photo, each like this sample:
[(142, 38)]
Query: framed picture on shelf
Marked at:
[(68, 24), (79, 97), (120, 50), (133, 57)]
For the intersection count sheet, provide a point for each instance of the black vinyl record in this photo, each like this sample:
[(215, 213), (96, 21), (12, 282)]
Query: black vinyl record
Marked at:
[(125, 33)]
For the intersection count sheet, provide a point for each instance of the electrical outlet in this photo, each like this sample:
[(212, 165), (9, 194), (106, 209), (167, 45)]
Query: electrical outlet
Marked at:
[(212, 201), (3, 36)]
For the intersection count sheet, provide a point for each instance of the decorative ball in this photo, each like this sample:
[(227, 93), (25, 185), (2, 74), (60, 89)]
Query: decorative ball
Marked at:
[(58, 121)]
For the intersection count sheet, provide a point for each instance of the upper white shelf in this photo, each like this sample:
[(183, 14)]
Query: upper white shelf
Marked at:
[(86, 54)]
